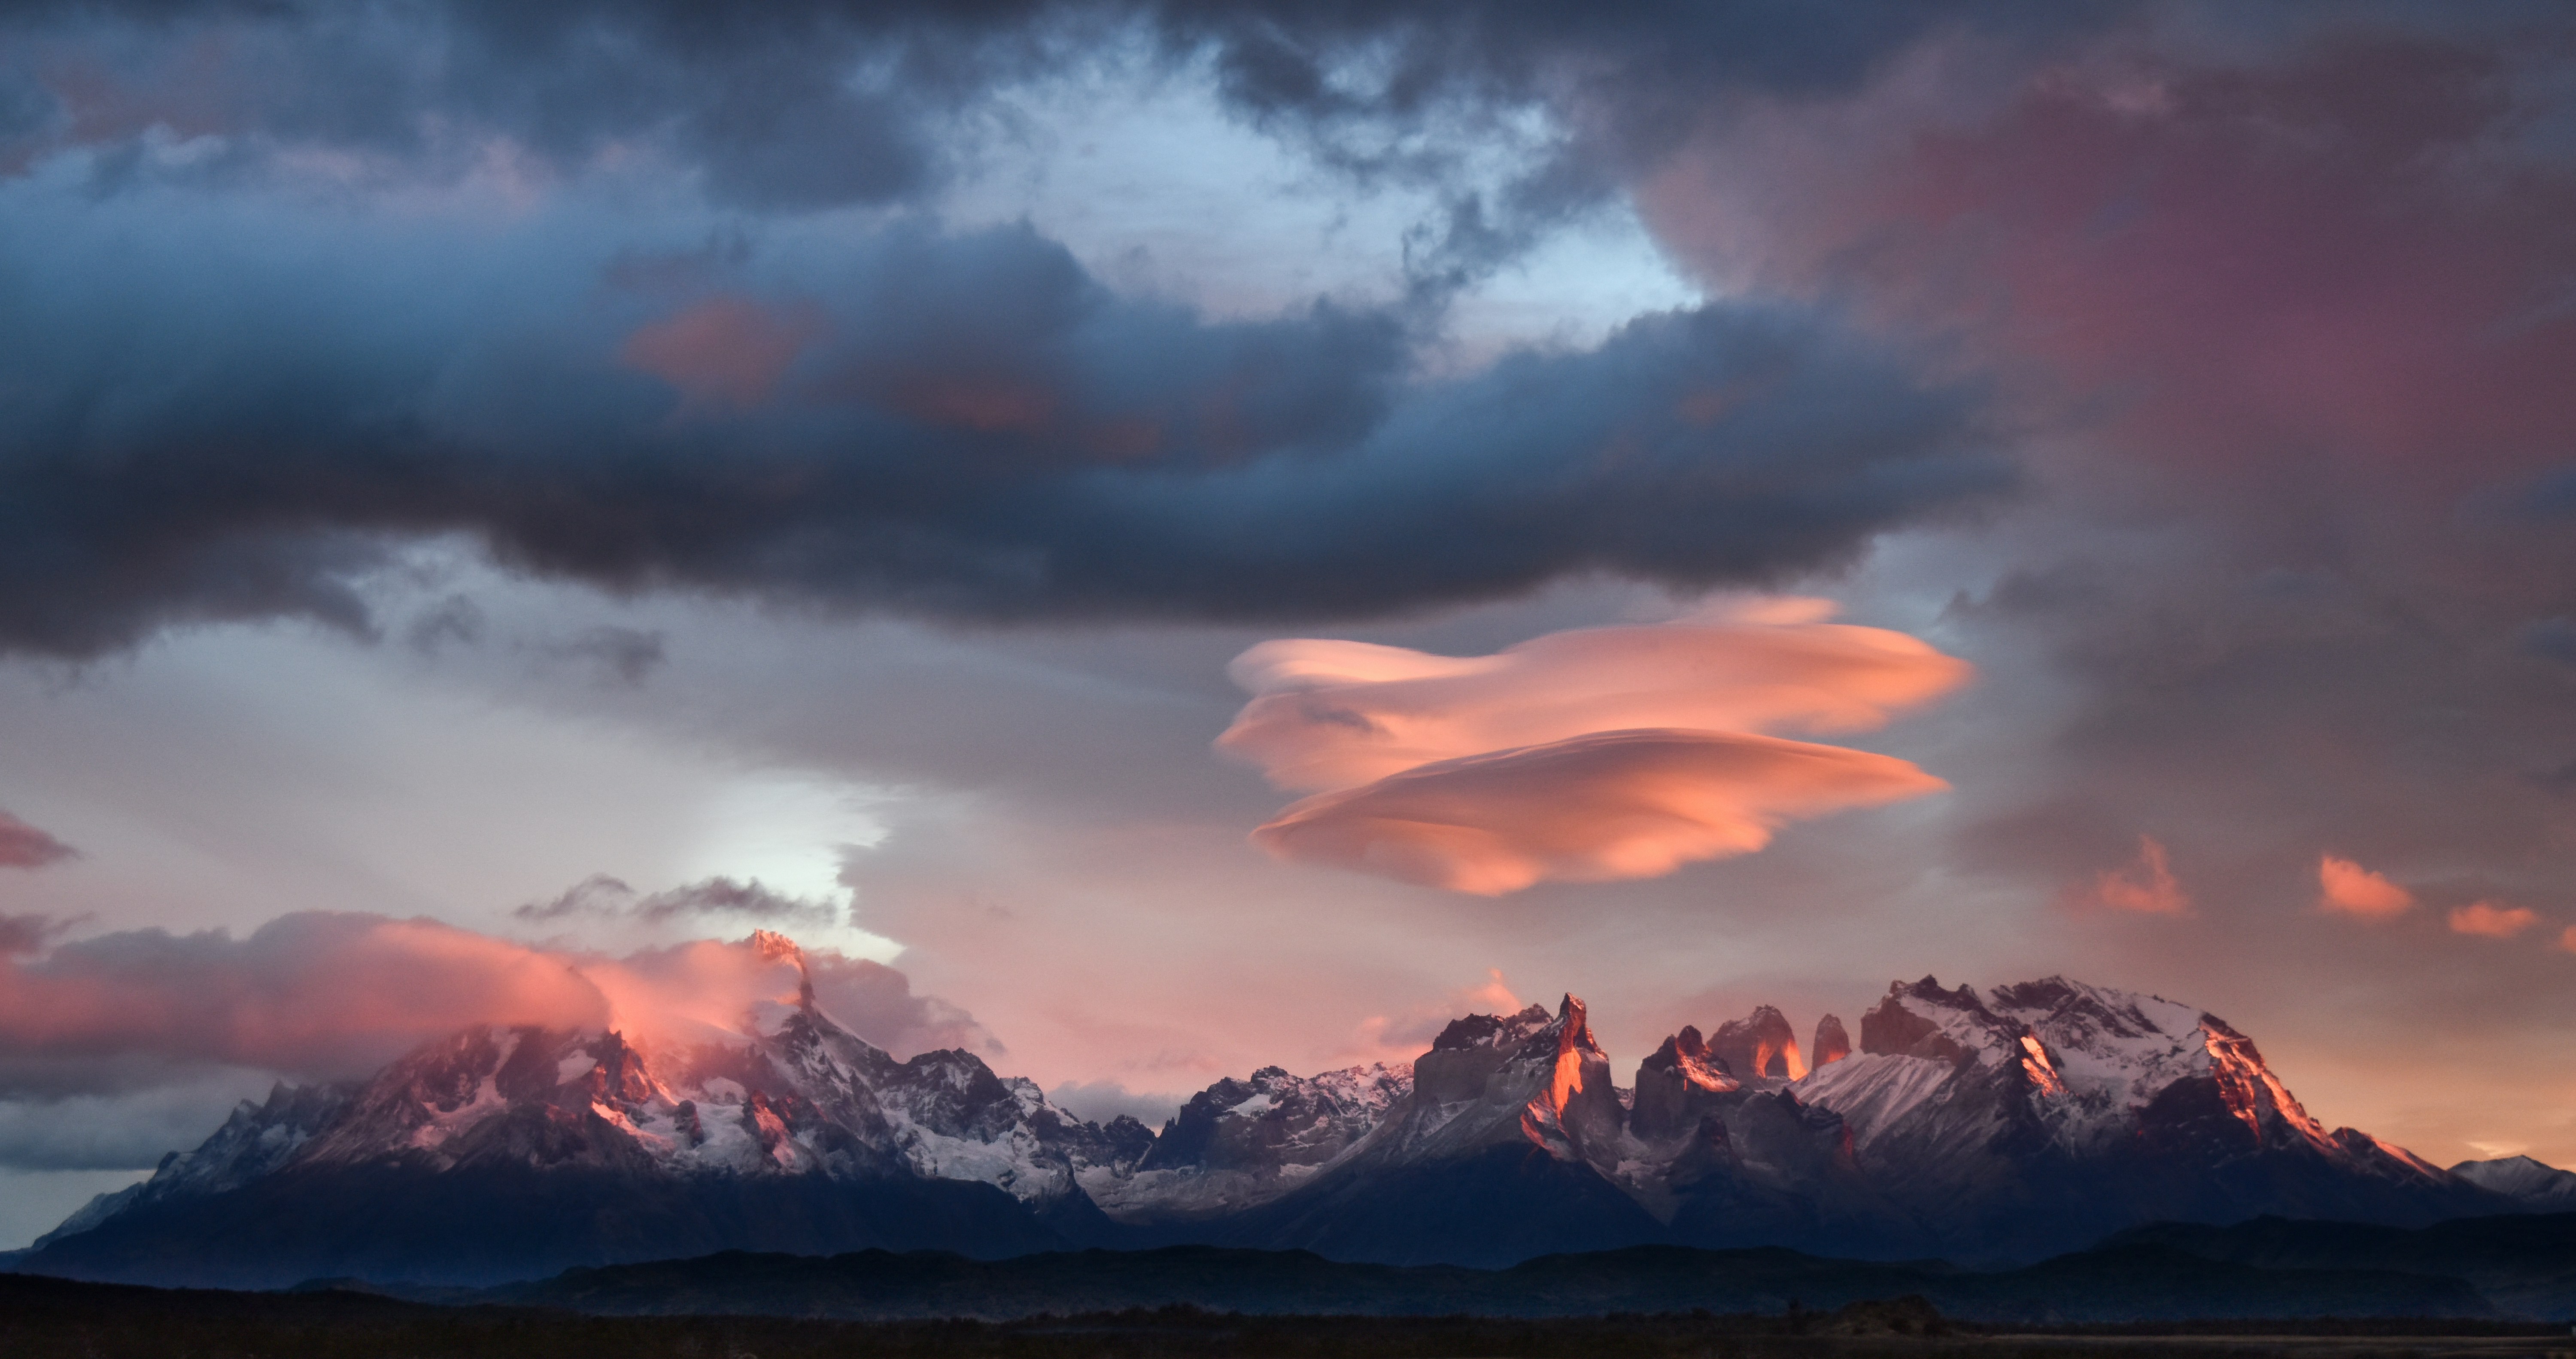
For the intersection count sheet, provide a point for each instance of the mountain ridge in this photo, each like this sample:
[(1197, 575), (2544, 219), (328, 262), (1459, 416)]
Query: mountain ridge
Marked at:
[(2002, 1127)]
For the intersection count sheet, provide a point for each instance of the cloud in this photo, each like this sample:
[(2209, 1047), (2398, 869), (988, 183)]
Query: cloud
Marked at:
[(338, 994), (1328, 714), (307, 993), (2348, 888), (24, 846), (2147, 886), (29, 933), (129, 1130), (603, 895), (1402, 1036), (1593, 808), (802, 106), (1101, 1101), (1588, 755), (620, 655), (813, 104), (976, 428), (2493, 921), (724, 349), (876, 1002)]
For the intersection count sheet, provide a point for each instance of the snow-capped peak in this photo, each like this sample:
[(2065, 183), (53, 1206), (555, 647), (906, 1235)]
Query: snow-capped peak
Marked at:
[(2536, 1184)]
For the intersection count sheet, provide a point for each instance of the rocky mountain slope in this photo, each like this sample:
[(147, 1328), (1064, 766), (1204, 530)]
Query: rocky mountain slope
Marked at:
[(2042, 1116), (2537, 1187), (2003, 1126)]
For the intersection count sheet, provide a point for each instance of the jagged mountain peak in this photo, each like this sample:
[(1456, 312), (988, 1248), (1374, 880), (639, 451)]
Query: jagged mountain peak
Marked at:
[(1833, 1042), (2033, 1117), (1760, 1046), (1491, 1031), (1675, 1086), (1573, 1026), (2537, 1185)]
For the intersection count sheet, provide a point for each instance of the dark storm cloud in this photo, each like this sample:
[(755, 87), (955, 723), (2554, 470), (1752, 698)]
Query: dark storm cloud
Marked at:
[(777, 106), (814, 104), (213, 423), (817, 102)]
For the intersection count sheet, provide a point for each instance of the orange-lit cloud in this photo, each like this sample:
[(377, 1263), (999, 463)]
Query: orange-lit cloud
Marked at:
[(2350, 889), (1331, 714), (2491, 920), (1583, 756), (1608, 805), (727, 349), (2146, 886), (336, 994)]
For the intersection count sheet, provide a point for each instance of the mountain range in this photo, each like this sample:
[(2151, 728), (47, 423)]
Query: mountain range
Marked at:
[(1994, 1128)]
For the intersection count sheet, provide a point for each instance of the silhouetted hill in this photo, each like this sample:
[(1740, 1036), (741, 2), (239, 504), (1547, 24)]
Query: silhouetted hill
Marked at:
[(2524, 1264), (2128, 1283)]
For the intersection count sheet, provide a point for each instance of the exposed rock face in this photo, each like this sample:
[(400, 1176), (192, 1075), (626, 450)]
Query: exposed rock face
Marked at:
[(1761, 1046), (2047, 1114), (1832, 1043), (2024, 1121), (1500, 1151), (1524, 1078), (1724, 1164), (1677, 1087), (1243, 1142)]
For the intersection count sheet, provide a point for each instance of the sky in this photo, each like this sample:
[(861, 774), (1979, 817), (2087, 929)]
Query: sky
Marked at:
[(1157, 539)]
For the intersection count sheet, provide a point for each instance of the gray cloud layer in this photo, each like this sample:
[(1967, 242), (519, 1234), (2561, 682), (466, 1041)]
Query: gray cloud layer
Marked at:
[(227, 421)]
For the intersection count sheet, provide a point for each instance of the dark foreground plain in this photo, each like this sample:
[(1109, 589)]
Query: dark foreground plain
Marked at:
[(47, 1317)]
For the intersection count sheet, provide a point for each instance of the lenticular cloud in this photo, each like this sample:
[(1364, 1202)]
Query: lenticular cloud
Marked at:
[(1581, 756)]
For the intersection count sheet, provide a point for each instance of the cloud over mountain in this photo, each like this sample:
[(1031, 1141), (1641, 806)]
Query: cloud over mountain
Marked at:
[(336, 994)]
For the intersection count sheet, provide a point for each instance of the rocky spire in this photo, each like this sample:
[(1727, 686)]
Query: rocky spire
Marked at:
[(1760, 1046), (1832, 1043), (1675, 1087)]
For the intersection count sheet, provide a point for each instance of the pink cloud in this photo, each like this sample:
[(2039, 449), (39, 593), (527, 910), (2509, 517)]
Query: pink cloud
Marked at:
[(338, 994), (24, 846), (2350, 889), (726, 349), (1592, 808), (2146, 886), (1583, 756), (1401, 1037), (2337, 246), (2493, 921), (1332, 714)]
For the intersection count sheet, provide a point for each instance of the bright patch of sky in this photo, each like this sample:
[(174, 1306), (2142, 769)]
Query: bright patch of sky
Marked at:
[(1160, 191), (788, 831), (221, 777)]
